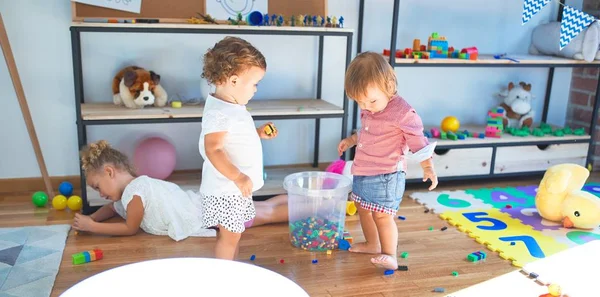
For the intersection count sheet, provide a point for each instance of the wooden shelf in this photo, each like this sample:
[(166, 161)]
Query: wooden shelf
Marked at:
[(529, 60), (503, 140), (209, 27), (190, 180), (291, 108)]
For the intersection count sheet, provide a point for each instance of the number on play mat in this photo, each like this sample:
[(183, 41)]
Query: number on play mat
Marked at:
[(530, 243), (477, 217)]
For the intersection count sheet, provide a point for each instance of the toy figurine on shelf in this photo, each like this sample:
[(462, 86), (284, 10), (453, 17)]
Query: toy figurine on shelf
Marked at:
[(293, 21), (328, 24), (238, 20), (305, 20), (341, 22), (334, 21), (300, 20), (280, 21), (266, 19), (319, 21), (322, 22)]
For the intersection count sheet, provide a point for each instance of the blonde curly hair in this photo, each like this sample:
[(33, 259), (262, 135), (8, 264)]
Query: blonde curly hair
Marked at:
[(230, 56), (95, 155)]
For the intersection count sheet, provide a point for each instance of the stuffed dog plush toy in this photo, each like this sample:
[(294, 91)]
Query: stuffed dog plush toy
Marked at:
[(136, 87)]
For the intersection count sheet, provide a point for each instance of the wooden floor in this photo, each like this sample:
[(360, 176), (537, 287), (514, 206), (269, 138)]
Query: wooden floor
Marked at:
[(433, 255)]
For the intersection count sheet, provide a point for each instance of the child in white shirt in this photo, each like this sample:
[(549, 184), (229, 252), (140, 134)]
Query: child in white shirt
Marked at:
[(157, 207), (230, 142)]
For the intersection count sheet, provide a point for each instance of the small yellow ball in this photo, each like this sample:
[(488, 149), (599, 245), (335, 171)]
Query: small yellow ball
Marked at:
[(59, 202), (74, 203), (450, 123), (554, 290), (176, 104)]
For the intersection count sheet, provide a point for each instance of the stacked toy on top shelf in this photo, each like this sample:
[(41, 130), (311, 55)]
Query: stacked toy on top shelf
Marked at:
[(437, 48), (494, 125)]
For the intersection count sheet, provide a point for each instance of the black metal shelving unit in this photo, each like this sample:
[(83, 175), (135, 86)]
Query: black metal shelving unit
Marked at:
[(524, 64), (77, 28)]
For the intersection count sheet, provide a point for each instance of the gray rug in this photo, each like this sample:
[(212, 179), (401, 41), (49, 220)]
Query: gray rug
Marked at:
[(29, 259)]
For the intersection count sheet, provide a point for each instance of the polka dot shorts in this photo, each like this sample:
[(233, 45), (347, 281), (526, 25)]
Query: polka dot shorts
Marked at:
[(229, 211)]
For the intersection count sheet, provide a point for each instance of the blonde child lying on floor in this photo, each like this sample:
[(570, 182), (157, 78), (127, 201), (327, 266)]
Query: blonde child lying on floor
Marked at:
[(157, 207)]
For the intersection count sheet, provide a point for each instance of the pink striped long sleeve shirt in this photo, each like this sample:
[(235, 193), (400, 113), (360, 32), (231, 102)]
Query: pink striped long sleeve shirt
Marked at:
[(385, 137)]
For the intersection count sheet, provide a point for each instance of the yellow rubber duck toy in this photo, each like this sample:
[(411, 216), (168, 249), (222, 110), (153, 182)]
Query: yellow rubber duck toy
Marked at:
[(560, 198)]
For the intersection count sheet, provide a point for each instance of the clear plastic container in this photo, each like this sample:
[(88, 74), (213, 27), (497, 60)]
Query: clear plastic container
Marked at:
[(317, 209)]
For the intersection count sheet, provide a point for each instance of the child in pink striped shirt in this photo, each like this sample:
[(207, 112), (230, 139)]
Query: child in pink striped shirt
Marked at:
[(390, 127)]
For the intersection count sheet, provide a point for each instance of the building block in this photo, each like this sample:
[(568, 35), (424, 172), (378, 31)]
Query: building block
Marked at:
[(579, 131), (99, 254), (567, 130), (78, 259), (435, 132), (460, 135), (443, 135), (343, 245), (451, 135), (427, 134), (404, 255), (87, 256)]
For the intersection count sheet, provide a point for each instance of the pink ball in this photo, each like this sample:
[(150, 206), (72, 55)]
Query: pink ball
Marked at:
[(155, 157)]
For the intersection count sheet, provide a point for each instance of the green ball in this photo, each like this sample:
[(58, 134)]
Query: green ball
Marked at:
[(40, 199)]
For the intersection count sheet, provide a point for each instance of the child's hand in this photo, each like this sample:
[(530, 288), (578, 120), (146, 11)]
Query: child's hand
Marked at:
[(345, 144), (429, 173), (82, 222), (262, 134), (244, 183)]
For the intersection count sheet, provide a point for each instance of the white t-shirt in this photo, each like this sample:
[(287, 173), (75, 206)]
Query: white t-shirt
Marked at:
[(168, 210), (242, 145)]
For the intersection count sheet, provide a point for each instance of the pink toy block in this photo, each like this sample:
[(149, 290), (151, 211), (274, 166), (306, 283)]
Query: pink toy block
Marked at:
[(492, 132), (493, 114), (435, 132)]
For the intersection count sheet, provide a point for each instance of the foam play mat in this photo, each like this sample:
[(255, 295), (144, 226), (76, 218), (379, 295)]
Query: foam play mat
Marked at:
[(506, 221), (29, 259)]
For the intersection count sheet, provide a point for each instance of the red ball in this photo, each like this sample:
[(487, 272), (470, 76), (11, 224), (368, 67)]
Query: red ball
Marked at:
[(281, 261)]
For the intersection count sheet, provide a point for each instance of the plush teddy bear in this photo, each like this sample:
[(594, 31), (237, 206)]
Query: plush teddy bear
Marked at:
[(518, 111), (136, 87), (585, 46)]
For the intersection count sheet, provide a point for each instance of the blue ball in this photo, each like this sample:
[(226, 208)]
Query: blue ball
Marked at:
[(65, 188)]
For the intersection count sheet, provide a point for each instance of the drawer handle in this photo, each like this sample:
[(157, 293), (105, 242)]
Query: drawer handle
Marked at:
[(543, 147), (441, 152)]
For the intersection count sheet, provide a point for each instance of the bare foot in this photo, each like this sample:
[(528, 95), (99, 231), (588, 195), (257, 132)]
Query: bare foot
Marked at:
[(385, 261), (366, 248)]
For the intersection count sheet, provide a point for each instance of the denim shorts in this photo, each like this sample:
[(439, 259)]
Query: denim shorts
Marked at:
[(380, 193)]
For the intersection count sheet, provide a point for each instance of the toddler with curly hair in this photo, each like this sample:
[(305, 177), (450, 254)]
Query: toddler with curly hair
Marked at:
[(230, 143)]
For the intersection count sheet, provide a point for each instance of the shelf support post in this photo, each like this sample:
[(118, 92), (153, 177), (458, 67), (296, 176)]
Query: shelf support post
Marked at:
[(395, 17), (81, 130), (593, 123), (319, 97)]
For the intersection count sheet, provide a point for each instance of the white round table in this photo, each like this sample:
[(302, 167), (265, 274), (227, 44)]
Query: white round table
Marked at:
[(186, 277)]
